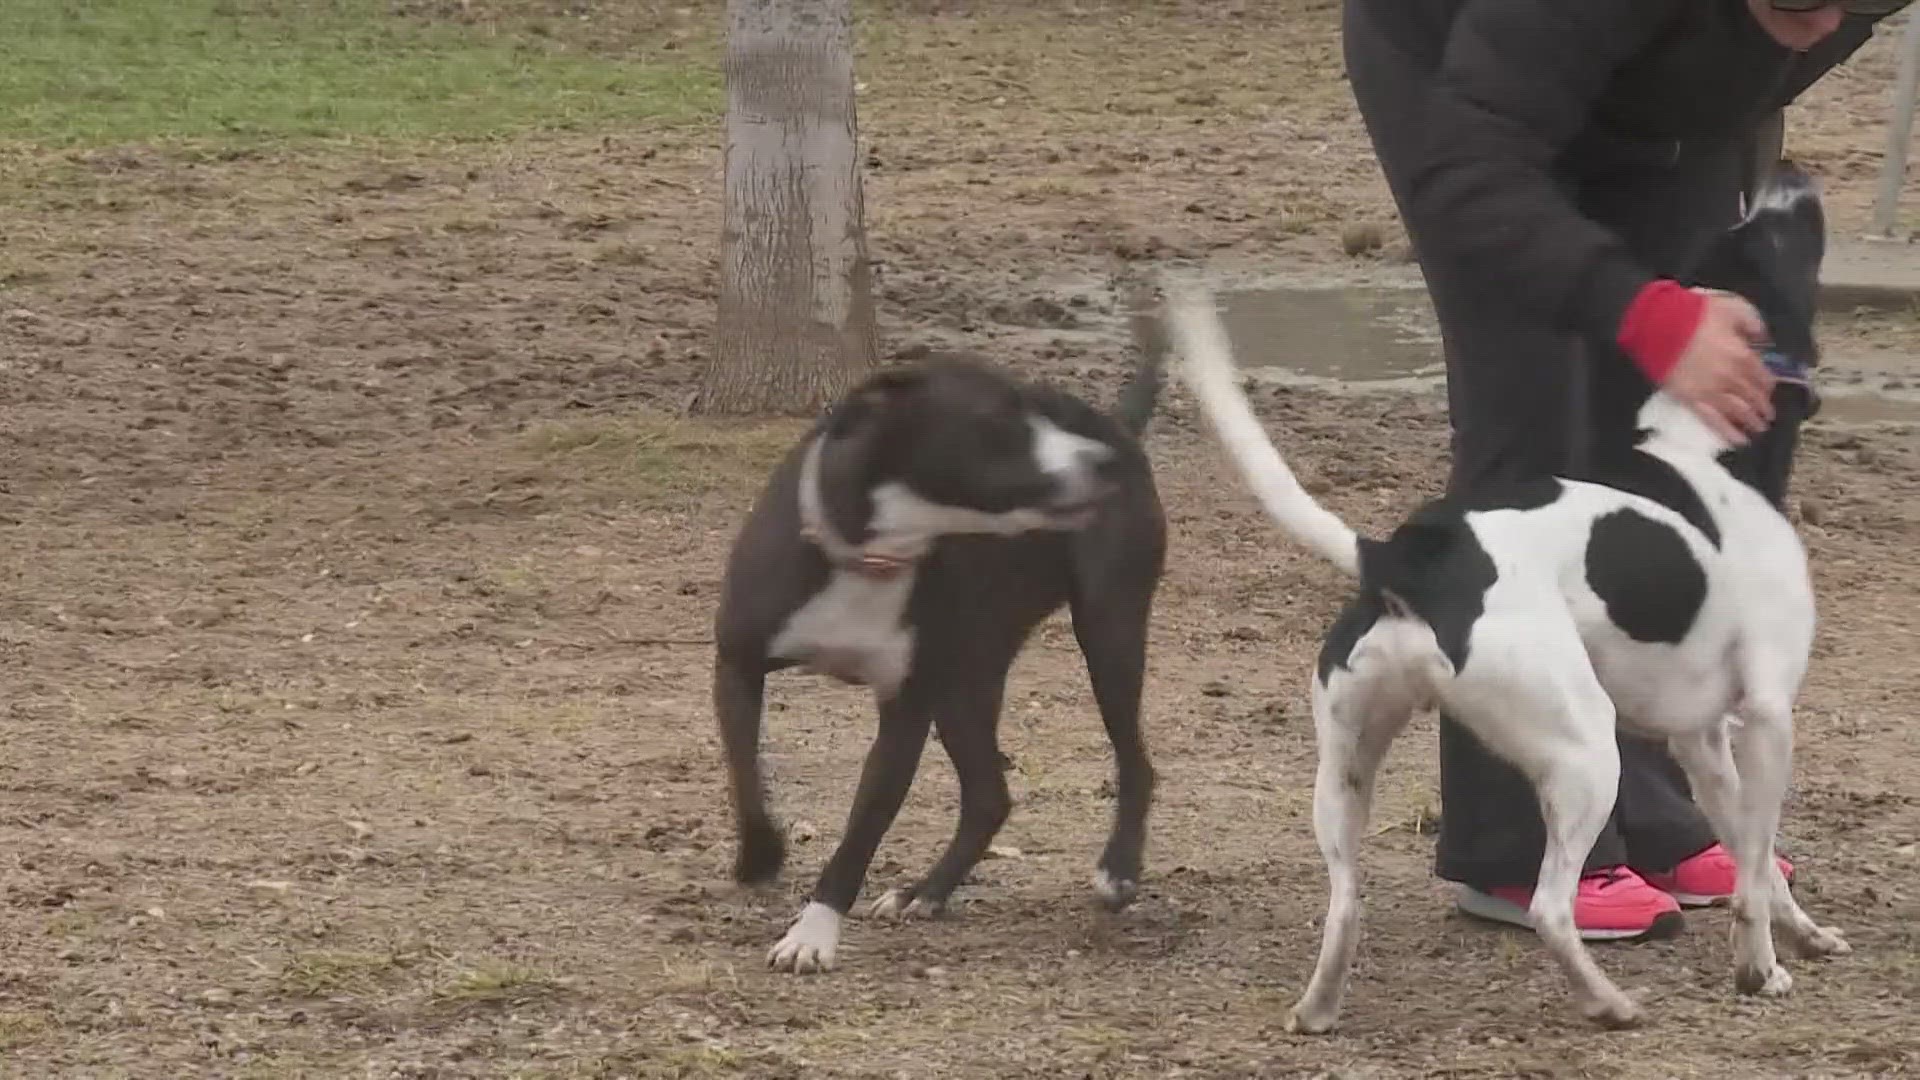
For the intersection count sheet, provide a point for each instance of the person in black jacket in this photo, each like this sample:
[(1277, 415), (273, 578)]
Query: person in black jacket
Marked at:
[(1557, 163)]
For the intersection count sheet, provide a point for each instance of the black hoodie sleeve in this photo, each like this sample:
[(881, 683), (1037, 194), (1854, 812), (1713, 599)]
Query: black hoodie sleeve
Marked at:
[(1517, 82), (1855, 31)]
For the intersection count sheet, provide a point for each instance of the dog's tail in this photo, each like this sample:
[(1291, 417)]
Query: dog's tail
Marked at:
[(1133, 409), (1209, 369)]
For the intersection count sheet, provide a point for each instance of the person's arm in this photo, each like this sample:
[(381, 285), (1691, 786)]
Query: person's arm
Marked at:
[(1855, 31), (1518, 80)]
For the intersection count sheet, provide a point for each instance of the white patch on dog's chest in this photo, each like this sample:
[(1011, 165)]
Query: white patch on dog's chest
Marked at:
[(854, 630)]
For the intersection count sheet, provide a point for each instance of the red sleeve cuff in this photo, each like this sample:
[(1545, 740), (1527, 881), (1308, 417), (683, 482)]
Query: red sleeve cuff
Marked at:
[(1658, 324)]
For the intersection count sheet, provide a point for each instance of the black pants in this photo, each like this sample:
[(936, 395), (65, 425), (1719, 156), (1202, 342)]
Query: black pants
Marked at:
[(1526, 400)]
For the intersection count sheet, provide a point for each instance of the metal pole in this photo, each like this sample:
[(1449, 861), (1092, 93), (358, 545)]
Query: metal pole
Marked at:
[(1893, 170)]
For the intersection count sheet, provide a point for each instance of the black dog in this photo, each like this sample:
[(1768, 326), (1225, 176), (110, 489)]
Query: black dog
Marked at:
[(910, 543)]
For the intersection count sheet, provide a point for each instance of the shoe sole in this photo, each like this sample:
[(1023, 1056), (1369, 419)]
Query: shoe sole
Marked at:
[(1493, 909)]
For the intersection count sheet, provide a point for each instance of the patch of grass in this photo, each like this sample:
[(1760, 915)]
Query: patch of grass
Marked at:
[(71, 922), (693, 1061), (665, 455), (80, 72), (546, 718), (495, 982), (696, 977), (20, 1028), (675, 1062), (332, 974), (276, 1066), (15, 276)]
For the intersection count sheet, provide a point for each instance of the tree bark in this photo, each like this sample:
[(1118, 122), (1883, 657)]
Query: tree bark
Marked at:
[(795, 326)]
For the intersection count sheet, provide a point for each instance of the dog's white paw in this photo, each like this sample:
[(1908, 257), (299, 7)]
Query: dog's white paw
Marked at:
[(1115, 893), (1824, 941), (1613, 1010), (1774, 983), (1779, 983), (901, 904), (1304, 1019), (810, 943)]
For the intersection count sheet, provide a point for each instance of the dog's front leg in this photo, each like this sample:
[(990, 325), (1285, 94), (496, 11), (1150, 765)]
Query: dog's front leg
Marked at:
[(813, 940), (968, 719), (1763, 749), (1716, 783)]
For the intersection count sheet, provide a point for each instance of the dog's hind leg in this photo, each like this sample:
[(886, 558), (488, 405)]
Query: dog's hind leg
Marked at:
[(1531, 696), (1355, 718), (739, 688), (1111, 606), (1576, 786), (968, 722), (813, 939)]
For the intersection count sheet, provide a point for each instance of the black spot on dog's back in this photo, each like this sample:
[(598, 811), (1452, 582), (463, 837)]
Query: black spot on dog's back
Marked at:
[(1646, 575), (1640, 473)]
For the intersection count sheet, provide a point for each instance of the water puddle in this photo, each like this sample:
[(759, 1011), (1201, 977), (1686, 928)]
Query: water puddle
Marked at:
[(1369, 338), (1385, 338)]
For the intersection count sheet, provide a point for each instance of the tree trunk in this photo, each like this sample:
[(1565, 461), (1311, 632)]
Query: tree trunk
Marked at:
[(795, 325)]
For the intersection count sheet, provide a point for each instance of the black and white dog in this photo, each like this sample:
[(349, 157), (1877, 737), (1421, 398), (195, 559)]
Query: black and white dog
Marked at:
[(1544, 614), (911, 542)]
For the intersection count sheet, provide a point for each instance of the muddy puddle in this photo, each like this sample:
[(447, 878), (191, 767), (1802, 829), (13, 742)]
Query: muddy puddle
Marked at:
[(1384, 338), (1367, 338)]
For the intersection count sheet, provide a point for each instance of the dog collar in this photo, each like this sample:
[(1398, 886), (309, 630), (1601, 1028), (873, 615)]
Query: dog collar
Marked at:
[(1787, 368), (817, 530), (1784, 367), (871, 564)]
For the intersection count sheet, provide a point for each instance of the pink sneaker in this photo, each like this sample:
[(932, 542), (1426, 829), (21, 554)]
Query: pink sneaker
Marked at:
[(1705, 879), (1611, 905)]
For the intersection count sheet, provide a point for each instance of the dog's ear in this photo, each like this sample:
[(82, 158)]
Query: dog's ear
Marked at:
[(873, 398)]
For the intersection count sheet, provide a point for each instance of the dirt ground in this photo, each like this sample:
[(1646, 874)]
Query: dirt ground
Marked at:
[(359, 570)]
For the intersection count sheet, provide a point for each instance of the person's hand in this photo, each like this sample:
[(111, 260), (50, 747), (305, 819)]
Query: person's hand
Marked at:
[(1719, 375)]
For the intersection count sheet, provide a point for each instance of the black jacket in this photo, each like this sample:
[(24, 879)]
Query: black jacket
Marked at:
[(1531, 97)]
